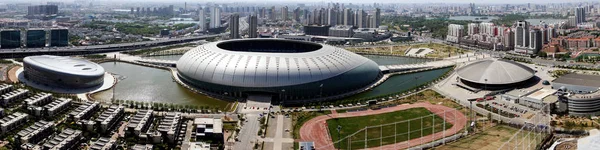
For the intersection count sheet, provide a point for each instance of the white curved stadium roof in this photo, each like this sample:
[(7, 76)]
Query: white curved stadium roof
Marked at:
[(210, 63), (67, 65), (495, 71)]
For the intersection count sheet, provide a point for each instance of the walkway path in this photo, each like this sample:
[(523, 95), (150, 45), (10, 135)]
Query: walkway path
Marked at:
[(316, 129)]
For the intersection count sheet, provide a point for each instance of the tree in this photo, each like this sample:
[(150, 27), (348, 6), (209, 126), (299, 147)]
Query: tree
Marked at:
[(542, 54)]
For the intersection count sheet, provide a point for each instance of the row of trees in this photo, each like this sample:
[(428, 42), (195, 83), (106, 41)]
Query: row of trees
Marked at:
[(167, 106)]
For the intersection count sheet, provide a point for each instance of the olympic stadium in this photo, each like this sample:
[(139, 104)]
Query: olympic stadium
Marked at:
[(64, 72), (283, 69)]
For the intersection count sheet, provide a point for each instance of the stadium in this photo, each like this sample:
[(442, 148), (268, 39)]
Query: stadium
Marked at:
[(495, 74), (64, 72), (283, 69)]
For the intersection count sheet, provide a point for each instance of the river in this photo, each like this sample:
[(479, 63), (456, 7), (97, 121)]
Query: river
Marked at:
[(145, 84)]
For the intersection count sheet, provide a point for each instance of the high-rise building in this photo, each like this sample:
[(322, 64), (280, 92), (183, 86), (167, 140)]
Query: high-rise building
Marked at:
[(331, 17), (263, 12), (41, 11), (10, 39), (472, 29), (297, 14), (59, 37), (509, 40), (253, 30), (272, 13), (284, 13), (572, 21), (360, 19), (521, 34), (535, 41), (201, 19), (455, 32), (370, 21), (234, 26), (35, 38), (487, 28), (377, 17), (348, 17), (580, 15), (215, 17)]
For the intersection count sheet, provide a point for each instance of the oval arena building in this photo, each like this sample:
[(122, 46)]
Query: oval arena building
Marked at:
[(63, 72), (495, 74), (283, 69)]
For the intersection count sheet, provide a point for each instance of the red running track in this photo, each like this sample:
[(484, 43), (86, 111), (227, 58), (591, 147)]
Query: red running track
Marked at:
[(316, 129)]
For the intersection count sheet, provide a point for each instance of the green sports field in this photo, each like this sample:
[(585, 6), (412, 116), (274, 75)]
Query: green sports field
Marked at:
[(353, 124)]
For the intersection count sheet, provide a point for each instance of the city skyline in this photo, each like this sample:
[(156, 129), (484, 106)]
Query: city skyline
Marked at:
[(321, 1)]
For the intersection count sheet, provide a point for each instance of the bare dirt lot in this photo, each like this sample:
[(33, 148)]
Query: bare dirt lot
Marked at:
[(490, 139)]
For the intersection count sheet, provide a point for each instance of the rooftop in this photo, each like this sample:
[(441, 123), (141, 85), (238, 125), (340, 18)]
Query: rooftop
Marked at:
[(495, 71), (34, 129), (103, 144), (68, 65), (579, 79), (59, 141)]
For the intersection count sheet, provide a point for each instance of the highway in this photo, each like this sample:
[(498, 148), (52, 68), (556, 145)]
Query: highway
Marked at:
[(19, 52)]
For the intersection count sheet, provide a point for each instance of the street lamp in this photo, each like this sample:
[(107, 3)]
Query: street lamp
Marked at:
[(281, 97), (339, 127)]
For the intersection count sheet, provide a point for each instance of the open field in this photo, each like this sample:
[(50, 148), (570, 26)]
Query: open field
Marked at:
[(354, 124), (489, 139), (317, 130), (440, 50), (388, 50)]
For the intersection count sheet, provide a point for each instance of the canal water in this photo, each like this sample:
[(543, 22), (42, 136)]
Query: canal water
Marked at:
[(146, 84), (401, 83)]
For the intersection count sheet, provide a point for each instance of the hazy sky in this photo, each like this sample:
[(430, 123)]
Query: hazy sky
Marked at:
[(309, 1)]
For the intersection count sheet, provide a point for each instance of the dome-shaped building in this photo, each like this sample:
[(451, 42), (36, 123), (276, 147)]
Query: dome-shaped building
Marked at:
[(285, 69), (495, 74), (64, 72)]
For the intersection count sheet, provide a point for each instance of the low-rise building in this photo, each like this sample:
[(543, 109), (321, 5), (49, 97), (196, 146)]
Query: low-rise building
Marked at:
[(5, 88), (84, 111), (140, 122), (66, 140), (12, 121), (209, 129), (104, 144), (36, 132), (57, 106), (341, 31), (142, 147), (536, 99), (13, 96), (39, 99), (109, 118), (169, 126)]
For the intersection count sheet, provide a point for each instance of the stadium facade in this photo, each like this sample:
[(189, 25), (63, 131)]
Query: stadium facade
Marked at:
[(63, 72), (283, 69)]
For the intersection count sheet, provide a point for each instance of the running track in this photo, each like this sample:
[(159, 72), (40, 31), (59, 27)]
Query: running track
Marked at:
[(316, 130)]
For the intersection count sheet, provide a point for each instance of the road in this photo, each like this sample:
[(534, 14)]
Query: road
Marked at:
[(11, 53), (248, 133)]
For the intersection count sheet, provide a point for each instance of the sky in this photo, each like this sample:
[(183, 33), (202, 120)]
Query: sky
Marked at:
[(313, 1)]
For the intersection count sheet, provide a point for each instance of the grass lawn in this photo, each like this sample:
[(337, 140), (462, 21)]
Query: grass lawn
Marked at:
[(489, 139), (354, 124)]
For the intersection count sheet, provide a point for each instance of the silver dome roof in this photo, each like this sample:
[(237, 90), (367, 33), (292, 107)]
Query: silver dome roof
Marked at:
[(495, 71), (211, 63)]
